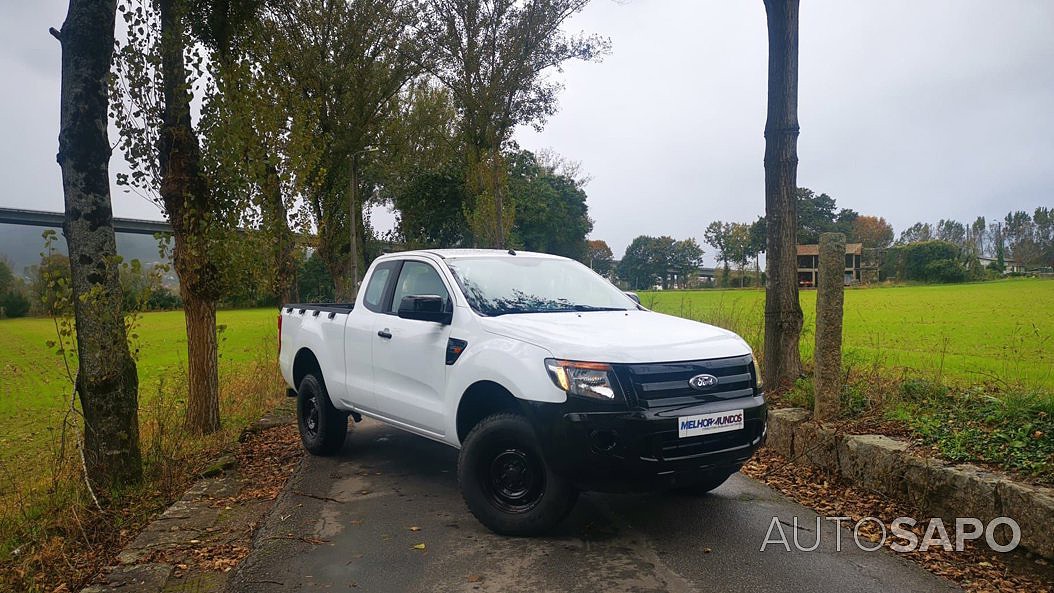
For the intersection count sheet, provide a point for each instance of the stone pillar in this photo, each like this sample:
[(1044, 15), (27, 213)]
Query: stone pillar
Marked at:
[(827, 357)]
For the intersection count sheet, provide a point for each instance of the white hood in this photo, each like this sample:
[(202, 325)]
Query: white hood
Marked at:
[(619, 336)]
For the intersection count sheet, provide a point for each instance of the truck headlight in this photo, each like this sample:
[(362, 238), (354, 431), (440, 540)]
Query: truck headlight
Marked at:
[(757, 372), (594, 380)]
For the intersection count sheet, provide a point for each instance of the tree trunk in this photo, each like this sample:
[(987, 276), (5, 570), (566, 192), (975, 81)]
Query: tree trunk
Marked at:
[(106, 384), (203, 410), (354, 238), (499, 207), (783, 315), (188, 204)]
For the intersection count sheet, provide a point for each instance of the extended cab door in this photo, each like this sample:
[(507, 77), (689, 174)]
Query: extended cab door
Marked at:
[(409, 355), (359, 333)]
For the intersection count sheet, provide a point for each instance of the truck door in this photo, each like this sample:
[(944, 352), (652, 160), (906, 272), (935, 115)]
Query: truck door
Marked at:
[(409, 355), (358, 337)]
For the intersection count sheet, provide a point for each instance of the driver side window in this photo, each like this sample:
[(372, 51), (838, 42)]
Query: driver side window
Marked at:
[(415, 279)]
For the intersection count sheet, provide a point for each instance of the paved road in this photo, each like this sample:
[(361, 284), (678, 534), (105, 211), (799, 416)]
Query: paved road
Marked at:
[(345, 525)]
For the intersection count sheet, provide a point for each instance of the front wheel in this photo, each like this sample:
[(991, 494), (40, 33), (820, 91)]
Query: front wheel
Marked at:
[(505, 481), (322, 426)]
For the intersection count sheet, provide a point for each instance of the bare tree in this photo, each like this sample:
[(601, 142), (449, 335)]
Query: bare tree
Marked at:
[(783, 315), (107, 383)]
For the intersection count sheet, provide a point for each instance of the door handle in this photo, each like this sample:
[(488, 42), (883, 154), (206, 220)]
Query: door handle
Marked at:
[(384, 333)]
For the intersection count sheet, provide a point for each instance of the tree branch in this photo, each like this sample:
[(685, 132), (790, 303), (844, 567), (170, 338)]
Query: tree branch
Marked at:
[(55, 33)]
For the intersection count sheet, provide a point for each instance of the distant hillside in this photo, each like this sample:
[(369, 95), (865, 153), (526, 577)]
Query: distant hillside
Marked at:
[(21, 245)]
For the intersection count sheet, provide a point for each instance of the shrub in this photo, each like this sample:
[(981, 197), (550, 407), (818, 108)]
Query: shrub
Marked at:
[(13, 304)]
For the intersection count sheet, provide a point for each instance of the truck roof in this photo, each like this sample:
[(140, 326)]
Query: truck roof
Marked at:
[(454, 253)]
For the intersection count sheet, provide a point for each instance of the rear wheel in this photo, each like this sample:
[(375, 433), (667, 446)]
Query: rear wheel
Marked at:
[(505, 481), (322, 426)]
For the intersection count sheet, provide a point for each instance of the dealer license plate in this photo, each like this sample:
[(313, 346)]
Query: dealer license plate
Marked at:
[(700, 424)]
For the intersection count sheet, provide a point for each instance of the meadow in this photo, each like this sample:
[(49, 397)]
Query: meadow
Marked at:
[(998, 332), (985, 333), (35, 390)]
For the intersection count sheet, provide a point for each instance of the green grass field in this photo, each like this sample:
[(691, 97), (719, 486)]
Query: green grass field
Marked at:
[(968, 333), (35, 390), (999, 331)]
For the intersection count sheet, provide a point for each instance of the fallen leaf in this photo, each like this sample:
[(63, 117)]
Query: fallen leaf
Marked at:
[(419, 546), (415, 528)]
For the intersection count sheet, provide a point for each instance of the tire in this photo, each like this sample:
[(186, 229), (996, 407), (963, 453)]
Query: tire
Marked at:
[(708, 482), (505, 481), (322, 426)]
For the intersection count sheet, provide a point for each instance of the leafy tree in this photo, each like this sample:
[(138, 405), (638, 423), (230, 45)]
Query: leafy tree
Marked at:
[(106, 383), (872, 231), (1043, 219), (642, 265), (651, 261), (933, 261), (976, 235), (314, 284), (423, 168), (343, 65), (430, 206), (783, 314), (918, 232), (739, 247), (551, 211), (493, 55), (816, 214), (757, 246), (7, 279), (1019, 232), (951, 231), (684, 260), (170, 46), (599, 256), (718, 235)]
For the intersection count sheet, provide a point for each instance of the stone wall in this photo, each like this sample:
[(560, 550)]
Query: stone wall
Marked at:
[(881, 464)]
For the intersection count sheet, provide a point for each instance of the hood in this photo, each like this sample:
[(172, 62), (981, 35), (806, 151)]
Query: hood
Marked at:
[(619, 336)]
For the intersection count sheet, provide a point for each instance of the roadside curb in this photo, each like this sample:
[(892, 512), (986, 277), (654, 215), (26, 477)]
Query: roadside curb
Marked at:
[(887, 466), (195, 543)]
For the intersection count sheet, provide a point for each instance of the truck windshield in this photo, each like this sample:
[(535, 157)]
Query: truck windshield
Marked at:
[(503, 285)]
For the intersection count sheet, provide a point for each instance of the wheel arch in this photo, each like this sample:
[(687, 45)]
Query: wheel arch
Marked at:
[(481, 399), (304, 362)]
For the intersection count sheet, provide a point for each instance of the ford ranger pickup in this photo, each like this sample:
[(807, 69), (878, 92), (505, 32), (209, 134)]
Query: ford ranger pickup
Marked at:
[(547, 378)]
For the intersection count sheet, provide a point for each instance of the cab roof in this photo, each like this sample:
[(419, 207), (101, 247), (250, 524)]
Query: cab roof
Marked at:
[(456, 253)]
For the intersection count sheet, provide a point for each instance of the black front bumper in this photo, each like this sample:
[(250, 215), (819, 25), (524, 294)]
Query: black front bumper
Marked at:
[(639, 449)]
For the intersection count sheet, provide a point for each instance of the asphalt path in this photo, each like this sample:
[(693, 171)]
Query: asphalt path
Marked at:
[(386, 515)]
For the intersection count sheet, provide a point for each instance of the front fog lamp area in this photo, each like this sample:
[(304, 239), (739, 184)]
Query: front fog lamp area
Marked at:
[(585, 379)]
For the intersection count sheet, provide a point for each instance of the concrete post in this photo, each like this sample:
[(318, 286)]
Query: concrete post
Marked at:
[(827, 357)]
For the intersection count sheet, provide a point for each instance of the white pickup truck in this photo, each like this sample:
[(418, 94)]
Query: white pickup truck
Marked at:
[(547, 378)]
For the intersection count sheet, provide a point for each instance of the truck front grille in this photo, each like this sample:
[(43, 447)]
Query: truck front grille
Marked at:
[(667, 384)]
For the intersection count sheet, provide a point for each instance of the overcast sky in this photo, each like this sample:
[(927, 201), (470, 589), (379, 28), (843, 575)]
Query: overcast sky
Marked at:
[(913, 111)]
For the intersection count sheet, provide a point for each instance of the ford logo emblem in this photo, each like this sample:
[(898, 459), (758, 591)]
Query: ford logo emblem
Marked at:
[(702, 381)]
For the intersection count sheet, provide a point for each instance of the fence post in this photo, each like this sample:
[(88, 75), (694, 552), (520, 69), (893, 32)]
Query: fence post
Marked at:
[(827, 356)]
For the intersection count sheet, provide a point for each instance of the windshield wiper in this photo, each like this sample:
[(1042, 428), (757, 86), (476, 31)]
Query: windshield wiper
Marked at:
[(593, 308)]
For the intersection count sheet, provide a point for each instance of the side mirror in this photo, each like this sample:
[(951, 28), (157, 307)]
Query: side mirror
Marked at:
[(424, 307), (633, 296)]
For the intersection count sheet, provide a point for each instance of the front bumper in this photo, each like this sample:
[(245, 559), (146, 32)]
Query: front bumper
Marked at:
[(639, 450)]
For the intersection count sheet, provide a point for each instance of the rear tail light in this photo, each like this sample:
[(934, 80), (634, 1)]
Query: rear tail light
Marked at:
[(279, 332)]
